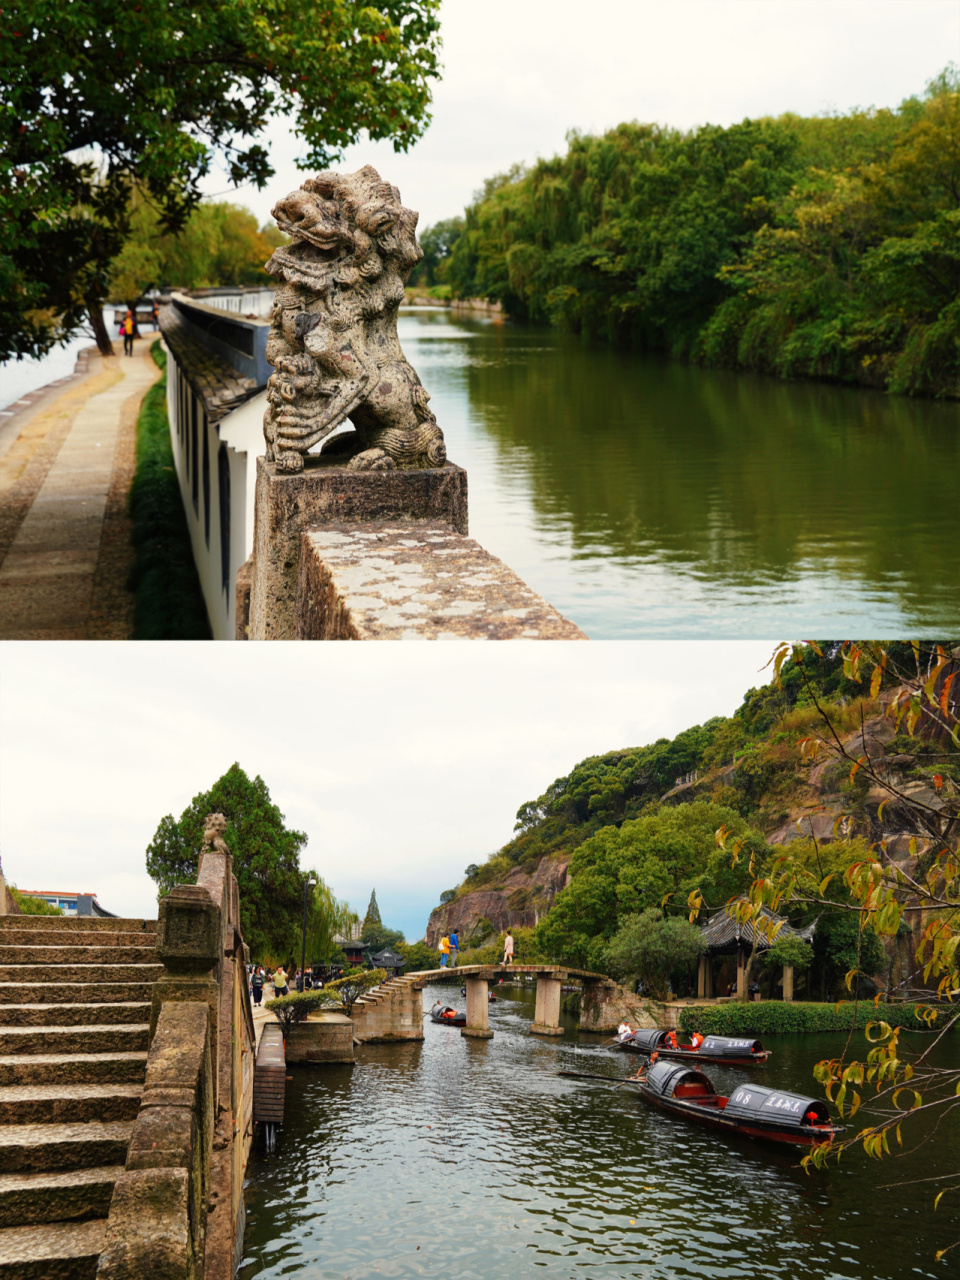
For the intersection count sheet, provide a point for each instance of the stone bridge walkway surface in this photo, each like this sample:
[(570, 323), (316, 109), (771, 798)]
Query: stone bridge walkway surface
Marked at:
[(65, 549)]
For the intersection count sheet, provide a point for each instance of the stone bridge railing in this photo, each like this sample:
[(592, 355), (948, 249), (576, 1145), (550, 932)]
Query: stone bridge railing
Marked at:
[(177, 1212)]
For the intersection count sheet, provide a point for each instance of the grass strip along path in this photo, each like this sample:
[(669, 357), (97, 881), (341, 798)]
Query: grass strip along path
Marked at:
[(169, 603)]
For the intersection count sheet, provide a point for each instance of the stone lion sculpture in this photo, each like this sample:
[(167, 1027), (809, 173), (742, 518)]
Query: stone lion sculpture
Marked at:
[(214, 825), (333, 337)]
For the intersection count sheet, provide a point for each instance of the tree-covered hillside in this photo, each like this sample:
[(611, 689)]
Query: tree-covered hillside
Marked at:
[(826, 247)]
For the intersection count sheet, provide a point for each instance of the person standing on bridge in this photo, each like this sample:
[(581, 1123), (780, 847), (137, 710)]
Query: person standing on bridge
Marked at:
[(444, 951), (508, 948), (454, 948)]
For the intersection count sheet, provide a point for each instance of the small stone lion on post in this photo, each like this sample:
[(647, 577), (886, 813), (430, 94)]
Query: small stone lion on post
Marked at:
[(214, 825), (333, 337)]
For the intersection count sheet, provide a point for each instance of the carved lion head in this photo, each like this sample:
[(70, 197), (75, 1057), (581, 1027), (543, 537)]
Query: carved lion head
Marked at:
[(345, 227)]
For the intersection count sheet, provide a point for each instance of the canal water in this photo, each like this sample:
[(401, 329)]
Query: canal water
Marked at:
[(472, 1160), (647, 499)]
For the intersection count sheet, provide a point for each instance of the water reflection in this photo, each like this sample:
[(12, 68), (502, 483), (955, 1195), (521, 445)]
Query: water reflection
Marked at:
[(473, 1159), (645, 498)]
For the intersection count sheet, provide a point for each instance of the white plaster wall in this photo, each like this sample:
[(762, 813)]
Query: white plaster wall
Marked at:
[(242, 433)]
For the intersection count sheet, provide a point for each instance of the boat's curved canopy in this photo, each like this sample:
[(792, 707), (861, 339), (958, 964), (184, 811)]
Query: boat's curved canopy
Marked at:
[(441, 1010), (758, 1102), (649, 1038), (665, 1078), (729, 1046)]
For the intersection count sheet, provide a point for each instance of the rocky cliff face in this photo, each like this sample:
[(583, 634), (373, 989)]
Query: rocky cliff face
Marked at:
[(521, 900)]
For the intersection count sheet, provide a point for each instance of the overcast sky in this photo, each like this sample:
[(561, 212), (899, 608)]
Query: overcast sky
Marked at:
[(402, 762), (518, 74)]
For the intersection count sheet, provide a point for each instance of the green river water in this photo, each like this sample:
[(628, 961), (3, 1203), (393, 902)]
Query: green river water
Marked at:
[(647, 499), (473, 1160)]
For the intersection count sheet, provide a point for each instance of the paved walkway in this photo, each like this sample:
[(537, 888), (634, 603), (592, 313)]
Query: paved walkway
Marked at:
[(65, 549)]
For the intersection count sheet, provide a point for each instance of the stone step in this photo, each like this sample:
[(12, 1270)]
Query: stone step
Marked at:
[(71, 938), (75, 954), (54, 1251), (73, 1039), (29, 973), (74, 992), (68, 1103), (32, 1148), (76, 1015), (70, 1068), (119, 924), (62, 1196)]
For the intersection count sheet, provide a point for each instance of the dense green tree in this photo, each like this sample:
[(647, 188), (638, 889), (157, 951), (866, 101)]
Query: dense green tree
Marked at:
[(659, 949), (437, 244), (372, 916), (265, 859), (823, 247), (101, 99), (625, 870)]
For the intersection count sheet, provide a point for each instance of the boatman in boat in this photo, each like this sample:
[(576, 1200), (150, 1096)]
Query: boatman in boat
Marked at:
[(624, 1031), (645, 1067)]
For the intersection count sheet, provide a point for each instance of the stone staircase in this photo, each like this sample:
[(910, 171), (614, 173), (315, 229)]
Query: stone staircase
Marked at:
[(391, 1011), (74, 1022)]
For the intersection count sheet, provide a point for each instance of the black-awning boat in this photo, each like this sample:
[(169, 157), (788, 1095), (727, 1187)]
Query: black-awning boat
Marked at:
[(752, 1110), (445, 1015), (727, 1051)]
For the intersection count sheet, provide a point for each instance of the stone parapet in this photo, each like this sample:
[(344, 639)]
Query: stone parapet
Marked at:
[(324, 1037), (323, 494), (158, 1214), (216, 383), (406, 581)]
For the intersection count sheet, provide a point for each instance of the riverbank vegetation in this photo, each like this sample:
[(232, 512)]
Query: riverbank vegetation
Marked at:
[(776, 1017), (169, 603), (220, 244), (636, 829), (824, 247)]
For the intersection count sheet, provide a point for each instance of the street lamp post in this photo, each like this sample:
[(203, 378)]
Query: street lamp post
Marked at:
[(308, 885)]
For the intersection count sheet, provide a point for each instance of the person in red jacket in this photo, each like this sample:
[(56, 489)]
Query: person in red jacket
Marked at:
[(696, 1040), (671, 1040)]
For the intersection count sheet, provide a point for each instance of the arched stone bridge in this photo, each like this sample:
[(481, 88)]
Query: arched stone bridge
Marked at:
[(394, 1011)]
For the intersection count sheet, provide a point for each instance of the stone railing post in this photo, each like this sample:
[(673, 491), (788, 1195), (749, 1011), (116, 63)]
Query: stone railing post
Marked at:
[(189, 947)]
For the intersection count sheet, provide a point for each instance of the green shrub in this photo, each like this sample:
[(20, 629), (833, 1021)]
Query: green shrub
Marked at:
[(776, 1017), (298, 1006), (32, 906), (352, 985), (169, 602)]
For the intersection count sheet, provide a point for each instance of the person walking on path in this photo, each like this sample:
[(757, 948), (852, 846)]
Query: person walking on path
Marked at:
[(280, 987), (444, 951), (454, 948), (127, 328), (256, 985), (508, 948), (155, 315)]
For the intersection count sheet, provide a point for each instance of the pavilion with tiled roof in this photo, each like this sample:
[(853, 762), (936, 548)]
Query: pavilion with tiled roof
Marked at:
[(725, 935)]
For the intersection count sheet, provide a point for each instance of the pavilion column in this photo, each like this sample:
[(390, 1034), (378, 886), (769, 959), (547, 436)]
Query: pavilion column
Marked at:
[(788, 982), (702, 979), (547, 1018), (708, 980), (478, 1020), (741, 974)]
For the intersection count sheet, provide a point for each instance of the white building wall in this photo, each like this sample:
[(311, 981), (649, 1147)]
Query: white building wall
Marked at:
[(209, 485)]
